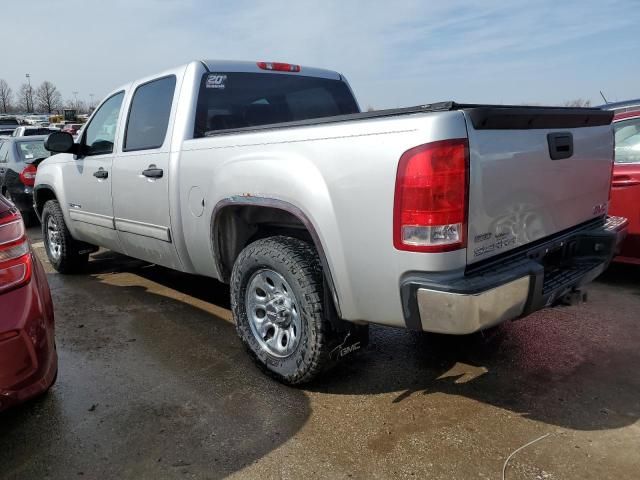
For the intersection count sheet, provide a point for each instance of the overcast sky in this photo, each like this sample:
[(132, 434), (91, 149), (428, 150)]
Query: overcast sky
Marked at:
[(394, 52)]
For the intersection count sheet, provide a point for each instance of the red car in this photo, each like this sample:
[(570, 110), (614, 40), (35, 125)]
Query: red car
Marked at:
[(625, 191), (28, 359)]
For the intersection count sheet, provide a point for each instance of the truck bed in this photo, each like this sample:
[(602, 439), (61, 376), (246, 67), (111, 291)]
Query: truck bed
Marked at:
[(502, 117)]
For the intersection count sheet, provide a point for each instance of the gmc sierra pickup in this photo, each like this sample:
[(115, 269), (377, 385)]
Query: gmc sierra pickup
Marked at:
[(444, 217)]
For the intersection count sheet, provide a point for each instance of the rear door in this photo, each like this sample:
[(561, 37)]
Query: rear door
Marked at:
[(141, 174), (534, 172), (625, 193)]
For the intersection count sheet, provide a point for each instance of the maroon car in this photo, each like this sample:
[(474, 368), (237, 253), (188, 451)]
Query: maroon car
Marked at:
[(625, 191), (28, 359)]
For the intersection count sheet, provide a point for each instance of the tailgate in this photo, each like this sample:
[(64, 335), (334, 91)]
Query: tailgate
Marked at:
[(534, 172)]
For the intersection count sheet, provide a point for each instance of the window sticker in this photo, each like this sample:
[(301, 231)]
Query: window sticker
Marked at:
[(28, 156), (216, 80)]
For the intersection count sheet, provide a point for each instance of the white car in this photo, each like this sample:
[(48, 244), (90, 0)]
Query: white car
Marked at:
[(26, 131)]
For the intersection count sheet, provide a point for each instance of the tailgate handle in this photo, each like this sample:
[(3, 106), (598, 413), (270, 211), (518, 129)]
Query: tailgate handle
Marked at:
[(560, 145)]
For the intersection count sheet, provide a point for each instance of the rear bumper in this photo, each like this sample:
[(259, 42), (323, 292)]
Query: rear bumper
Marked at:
[(22, 197), (512, 286), (28, 359)]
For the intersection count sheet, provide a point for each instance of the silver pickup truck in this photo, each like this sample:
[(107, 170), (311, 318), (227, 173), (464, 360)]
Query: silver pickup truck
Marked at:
[(443, 217)]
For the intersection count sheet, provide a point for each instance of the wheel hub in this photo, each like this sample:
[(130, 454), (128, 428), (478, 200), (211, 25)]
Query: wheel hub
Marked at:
[(53, 238), (272, 312)]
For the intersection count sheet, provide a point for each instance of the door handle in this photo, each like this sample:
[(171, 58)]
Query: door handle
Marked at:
[(153, 172), (624, 181), (101, 173)]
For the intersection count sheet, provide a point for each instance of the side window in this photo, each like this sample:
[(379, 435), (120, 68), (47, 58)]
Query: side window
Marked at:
[(627, 140), (149, 114), (101, 132), (3, 152)]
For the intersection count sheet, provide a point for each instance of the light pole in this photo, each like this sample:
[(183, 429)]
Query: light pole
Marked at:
[(91, 102), (29, 96), (75, 101)]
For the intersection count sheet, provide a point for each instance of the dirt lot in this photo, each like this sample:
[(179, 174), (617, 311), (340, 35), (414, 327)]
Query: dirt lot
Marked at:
[(154, 384)]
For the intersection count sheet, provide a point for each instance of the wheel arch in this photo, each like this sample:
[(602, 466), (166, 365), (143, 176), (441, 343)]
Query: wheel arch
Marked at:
[(239, 220), (41, 194)]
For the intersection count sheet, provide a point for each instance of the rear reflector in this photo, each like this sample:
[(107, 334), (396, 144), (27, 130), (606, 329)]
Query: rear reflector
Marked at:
[(15, 256), (28, 175), (279, 67), (430, 206)]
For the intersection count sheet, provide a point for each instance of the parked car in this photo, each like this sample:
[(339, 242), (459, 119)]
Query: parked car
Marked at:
[(19, 159), (625, 192), (445, 217), (28, 359), (31, 131), (8, 125), (72, 128)]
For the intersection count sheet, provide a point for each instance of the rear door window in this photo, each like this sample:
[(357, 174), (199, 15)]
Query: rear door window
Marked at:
[(149, 114), (242, 100)]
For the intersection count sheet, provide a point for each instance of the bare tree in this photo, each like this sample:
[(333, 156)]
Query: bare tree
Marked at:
[(25, 98), (578, 102), (6, 96), (48, 97)]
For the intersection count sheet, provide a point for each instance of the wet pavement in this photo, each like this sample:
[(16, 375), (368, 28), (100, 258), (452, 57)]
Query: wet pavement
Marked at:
[(153, 383)]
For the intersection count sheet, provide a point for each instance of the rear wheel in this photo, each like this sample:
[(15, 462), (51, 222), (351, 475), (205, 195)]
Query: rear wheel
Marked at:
[(63, 251), (277, 303)]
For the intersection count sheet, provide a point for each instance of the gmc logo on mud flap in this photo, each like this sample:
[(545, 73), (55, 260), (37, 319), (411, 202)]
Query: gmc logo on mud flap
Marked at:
[(350, 349)]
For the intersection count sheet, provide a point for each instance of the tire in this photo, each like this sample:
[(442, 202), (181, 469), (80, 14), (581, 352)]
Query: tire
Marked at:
[(295, 347), (62, 250)]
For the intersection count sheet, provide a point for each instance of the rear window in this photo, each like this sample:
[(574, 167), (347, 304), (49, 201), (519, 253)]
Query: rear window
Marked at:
[(36, 131), (32, 150), (627, 141), (240, 100), (9, 121)]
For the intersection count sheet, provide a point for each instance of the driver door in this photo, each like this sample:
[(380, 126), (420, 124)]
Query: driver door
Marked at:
[(88, 179)]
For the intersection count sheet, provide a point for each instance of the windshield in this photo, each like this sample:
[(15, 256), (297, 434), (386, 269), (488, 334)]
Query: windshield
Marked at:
[(627, 140), (239, 100), (9, 121), (32, 150)]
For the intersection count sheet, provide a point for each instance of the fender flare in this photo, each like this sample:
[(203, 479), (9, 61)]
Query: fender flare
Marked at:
[(41, 186), (280, 205)]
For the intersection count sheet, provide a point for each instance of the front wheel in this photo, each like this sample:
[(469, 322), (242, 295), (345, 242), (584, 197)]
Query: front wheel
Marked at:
[(277, 303), (62, 250)]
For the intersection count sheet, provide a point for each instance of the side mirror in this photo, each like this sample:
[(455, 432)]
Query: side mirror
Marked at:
[(60, 142)]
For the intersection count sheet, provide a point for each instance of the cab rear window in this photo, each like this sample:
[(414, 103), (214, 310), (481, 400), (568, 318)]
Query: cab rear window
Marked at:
[(228, 101)]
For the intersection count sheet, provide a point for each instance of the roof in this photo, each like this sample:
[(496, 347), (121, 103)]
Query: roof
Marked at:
[(225, 66), (26, 138), (624, 106)]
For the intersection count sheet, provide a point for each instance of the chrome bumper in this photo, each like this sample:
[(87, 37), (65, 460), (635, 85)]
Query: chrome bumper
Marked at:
[(513, 285), (457, 313)]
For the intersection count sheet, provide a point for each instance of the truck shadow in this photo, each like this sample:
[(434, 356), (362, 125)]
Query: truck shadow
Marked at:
[(573, 367), (151, 384)]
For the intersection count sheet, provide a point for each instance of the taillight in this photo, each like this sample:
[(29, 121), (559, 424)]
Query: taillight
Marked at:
[(28, 175), (432, 189), (15, 256), (279, 67)]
